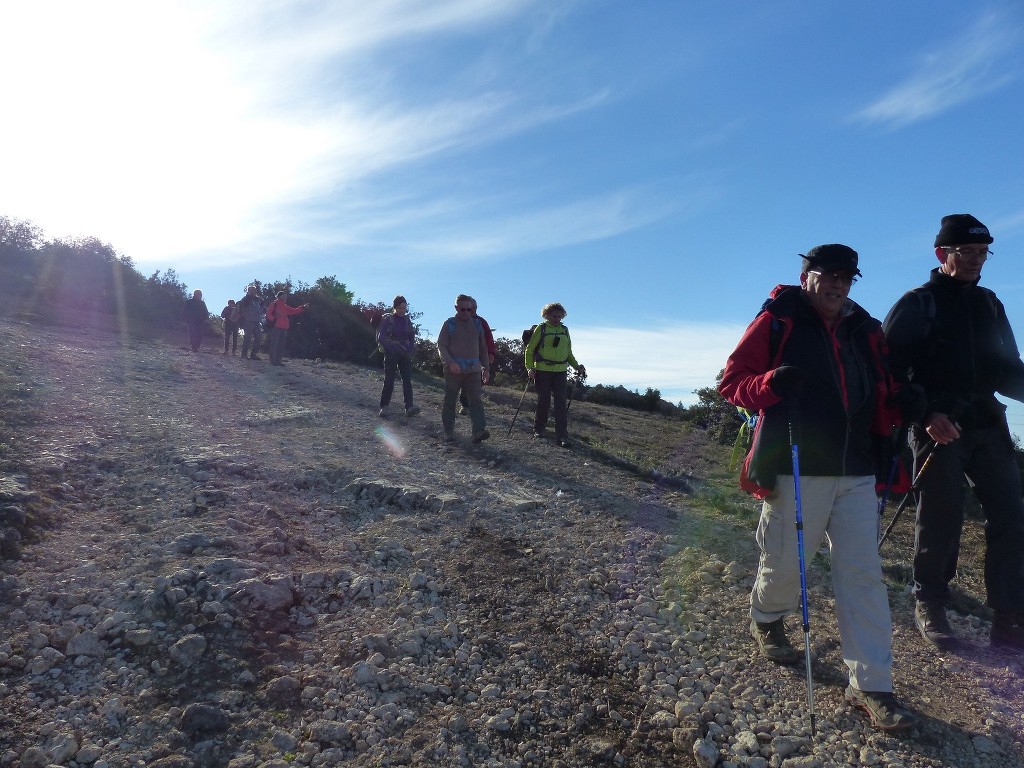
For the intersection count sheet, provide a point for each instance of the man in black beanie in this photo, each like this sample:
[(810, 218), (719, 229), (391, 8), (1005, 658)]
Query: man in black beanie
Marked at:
[(951, 337)]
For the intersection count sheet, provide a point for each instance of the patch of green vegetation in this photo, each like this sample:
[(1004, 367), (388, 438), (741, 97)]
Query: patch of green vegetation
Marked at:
[(723, 501)]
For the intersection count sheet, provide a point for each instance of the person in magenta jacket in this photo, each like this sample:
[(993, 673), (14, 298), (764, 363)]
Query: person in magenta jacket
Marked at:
[(277, 318)]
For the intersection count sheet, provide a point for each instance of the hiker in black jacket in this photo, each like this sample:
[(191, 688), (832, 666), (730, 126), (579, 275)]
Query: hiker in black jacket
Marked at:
[(251, 317), (951, 337), (195, 314)]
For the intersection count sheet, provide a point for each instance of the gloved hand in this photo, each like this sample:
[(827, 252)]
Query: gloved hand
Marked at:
[(786, 381), (581, 373), (912, 402)]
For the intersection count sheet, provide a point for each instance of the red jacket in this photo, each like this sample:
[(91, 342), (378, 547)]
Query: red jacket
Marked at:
[(843, 410), (279, 312)]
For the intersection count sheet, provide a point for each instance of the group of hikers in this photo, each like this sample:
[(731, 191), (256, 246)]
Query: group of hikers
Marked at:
[(467, 349), (248, 315), (836, 393)]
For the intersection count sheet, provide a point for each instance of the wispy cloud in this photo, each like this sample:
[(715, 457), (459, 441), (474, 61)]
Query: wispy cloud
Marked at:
[(958, 71), (675, 359), (144, 123)]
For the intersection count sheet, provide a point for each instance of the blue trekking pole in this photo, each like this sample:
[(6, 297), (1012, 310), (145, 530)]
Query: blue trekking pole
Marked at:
[(795, 448)]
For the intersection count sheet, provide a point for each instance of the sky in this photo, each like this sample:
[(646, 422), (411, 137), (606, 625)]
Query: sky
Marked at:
[(654, 165)]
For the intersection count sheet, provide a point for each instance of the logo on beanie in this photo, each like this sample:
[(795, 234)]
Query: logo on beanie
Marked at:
[(961, 229)]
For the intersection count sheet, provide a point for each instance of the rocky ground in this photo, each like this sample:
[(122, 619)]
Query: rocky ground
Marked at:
[(227, 564)]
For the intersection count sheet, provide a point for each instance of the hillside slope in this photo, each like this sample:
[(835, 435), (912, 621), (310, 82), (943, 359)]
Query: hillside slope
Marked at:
[(243, 566)]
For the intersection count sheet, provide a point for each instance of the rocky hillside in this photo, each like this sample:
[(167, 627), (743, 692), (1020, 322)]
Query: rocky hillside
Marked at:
[(212, 562)]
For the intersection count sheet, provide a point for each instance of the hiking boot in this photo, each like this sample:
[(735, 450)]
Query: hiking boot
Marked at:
[(463, 410), (931, 621), (449, 437), (539, 435), (772, 641), (1007, 631), (883, 708), (383, 412), (563, 443), (479, 437), (412, 410)]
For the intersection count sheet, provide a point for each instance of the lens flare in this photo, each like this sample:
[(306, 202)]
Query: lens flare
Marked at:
[(391, 441)]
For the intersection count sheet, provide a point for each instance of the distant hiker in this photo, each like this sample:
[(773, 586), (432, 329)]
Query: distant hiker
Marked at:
[(462, 345), (252, 318), (277, 319), (195, 314), (813, 365), (492, 353), (951, 337), (548, 357), (230, 314), (396, 336)]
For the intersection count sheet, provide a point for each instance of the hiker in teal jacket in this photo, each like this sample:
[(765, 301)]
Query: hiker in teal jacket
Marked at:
[(548, 357)]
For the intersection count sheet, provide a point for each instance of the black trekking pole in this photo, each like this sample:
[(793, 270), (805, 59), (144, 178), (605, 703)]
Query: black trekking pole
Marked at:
[(898, 441), (576, 379), (911, 494), (795, 448), (521, 400)]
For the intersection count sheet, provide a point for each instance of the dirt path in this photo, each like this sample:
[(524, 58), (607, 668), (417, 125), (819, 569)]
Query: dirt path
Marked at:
[(245, 566)]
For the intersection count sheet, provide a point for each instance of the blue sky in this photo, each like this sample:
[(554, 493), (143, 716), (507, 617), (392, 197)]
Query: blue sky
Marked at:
[(655, 165)]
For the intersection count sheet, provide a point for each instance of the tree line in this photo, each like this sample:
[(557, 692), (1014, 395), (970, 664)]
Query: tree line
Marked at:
[(74, 280)]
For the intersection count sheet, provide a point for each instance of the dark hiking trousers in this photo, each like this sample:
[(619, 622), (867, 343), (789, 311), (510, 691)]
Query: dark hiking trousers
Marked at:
[(195, 335), (251, 339), (985, 455), (230, 337), (401, 364), (551, 384)]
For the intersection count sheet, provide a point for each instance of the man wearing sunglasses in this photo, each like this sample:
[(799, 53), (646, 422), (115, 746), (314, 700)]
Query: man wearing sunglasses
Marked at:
[(462, 345), (812, 364), (951, 337)]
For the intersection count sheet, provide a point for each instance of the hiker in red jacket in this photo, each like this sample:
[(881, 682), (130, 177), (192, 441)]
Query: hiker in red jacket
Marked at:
[(813, 364), (277, 318)]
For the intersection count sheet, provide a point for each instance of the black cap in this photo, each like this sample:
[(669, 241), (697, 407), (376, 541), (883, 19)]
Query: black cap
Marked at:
[(961, 229), (831, 258)]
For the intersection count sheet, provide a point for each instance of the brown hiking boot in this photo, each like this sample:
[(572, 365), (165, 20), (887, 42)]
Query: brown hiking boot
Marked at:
[(1007, 631), (931, 621), (883, 708), (773, 643)]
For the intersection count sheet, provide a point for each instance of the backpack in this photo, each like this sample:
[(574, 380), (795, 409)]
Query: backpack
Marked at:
[(557, 338), (926, 300), (387, 317), (476, 322), (745, 434)]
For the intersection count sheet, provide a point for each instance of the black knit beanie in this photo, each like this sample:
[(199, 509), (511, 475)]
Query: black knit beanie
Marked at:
[(961, 229)]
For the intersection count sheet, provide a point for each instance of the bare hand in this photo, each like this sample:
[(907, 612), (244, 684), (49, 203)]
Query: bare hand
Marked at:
[(532, 374), (455, 368), (485, 376), (941, 429)]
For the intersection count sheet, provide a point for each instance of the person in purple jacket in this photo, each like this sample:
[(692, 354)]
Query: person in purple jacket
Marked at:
[(396, 336)]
